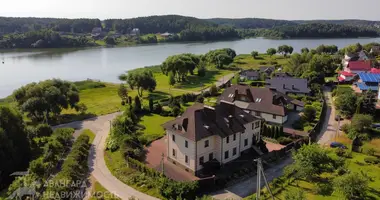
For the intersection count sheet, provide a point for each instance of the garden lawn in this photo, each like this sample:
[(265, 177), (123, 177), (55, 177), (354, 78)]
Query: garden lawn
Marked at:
[(246, 61), (90, 134), (152, 124), (116, 163), (356, 164), (100, 193)]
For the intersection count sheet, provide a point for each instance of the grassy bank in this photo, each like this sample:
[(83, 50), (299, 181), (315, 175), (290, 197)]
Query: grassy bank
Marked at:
[(118, 166), (152, 123), (246, 61)]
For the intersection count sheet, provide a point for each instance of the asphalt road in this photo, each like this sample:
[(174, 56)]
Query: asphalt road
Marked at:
[(98, 168)]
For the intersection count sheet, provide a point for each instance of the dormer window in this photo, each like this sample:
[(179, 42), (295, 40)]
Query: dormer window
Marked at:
[(179, 127)]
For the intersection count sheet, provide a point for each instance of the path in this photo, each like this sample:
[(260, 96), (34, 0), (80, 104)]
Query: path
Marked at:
[(98, 168), (248, 187), (329, 128)]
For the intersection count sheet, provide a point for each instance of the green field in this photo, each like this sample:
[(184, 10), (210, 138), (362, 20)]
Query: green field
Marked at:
[(100, 193), (152, 123), (246, 61)]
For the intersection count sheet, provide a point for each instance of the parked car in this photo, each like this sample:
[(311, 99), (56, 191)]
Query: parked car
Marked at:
[(337, 145), (376, 126)]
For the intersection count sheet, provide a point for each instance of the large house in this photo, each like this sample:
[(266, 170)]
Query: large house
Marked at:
[(353, 68), (264, 103), (204, 134), (267, 69), (288, 85), (251, 75), (367, 81)]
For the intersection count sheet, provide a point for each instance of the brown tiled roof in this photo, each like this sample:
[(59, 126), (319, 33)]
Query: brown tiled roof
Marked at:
[(200, 121), (258, 99), (288, 84)]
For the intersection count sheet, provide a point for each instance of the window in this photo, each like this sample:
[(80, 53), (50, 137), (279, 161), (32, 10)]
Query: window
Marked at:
[(210, 156), (258, 113), (186, 144), (234, 136), (245, 142), (174, 153), (186, 159), (257, 124), (253, 126), (173, 138), (226, 155), (206, 143), (274, 116), (234, 151), (228, 139), (201, 160)]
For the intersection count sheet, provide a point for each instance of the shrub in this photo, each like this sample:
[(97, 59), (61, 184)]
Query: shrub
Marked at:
[(341, 170), (372, 160), (346, 128), (273, 62), (284, 140), (370, 151), (213, 90), (295, 194), (324, 189), (299, 124), (339, 152), (262, 63), (157, 108)]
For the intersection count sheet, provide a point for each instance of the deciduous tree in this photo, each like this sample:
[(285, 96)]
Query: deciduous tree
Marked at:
[(271, 51)]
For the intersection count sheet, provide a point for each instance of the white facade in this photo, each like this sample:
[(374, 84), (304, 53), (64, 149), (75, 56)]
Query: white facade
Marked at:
[(223, 150), (278, 119)]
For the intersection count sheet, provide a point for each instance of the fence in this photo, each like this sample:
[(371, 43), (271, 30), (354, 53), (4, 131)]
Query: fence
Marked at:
[(317, 128)]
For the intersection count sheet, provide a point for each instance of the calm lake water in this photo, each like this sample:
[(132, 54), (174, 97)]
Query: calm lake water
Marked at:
[(106, 64)]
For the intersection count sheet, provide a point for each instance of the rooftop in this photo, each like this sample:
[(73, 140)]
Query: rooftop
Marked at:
[(258, 99), (369, 77), (362, 65), (200, 121), (288, 84)]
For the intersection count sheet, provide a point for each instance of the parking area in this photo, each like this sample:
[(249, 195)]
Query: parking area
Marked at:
[(156, 152)]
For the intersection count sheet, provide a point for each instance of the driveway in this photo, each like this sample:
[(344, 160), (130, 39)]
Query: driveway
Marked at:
[(330, 126), (98, 169), (248, 187)]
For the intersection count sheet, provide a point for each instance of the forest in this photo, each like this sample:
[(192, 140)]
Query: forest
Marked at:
[(56, 33)]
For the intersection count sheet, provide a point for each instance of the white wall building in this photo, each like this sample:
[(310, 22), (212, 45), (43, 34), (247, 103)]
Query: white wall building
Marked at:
[(204, 134)]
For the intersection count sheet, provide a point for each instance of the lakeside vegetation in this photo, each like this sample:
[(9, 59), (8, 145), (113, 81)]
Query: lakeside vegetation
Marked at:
[(62, 33)]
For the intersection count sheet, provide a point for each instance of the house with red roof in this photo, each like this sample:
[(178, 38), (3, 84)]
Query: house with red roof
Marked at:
[(353, 68)]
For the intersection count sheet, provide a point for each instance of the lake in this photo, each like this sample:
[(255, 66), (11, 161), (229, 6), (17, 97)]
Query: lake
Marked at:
[(106, 64)]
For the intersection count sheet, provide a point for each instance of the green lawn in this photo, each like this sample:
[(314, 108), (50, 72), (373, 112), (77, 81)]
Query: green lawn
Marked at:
[(90, 134), (246, 61), (152, 123), (116, 163), (356, 164), (330, 78), (100, 193)]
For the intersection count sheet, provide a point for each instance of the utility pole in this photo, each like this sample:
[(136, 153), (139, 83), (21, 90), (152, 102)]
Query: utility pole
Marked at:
[(260, 172)]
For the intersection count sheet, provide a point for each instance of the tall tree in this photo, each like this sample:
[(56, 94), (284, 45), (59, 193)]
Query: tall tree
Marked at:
[(271, 51), (14, 143), (41, 99), (254, 54), (123, 93), (352, 185), (141, 80)]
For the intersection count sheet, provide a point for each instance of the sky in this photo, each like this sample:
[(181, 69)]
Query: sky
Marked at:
[(273, 9)]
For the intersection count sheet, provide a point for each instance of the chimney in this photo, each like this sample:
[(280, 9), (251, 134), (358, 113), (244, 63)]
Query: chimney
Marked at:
[(293, 87), (283, 86), (185, 122), (230, 121), (273, 89), (249, 94), (236, 94)]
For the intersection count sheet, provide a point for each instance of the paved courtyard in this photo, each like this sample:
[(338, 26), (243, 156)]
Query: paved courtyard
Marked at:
[(154, 158), (273, 146)]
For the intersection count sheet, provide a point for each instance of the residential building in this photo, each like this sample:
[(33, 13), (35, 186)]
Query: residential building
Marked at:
[(264, 103), (135, 31), (166, 34), (206, 134), (288, 85), (283, 74), (375, 50), (267, 69), (349, 57), (367, 81), (251, 75), (353, 68)]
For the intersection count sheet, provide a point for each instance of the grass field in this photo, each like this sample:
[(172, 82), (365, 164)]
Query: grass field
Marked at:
[(100, 193), (90, 134), (152, 123), (246, 61), (118, 166)]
